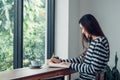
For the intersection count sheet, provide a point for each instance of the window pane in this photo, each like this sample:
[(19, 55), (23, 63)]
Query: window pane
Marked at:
[(6, 34), (34, 26)]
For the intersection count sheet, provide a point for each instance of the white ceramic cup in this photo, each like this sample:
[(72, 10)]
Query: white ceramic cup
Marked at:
[(35, 63)]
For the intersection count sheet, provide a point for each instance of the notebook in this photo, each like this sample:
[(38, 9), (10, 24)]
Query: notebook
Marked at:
[(57, 65)]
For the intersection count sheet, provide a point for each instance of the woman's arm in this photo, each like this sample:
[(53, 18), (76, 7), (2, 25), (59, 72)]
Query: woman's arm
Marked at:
[(73, 60)]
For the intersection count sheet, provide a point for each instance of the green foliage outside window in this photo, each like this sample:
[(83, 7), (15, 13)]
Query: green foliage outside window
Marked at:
[(33, 32), (6, 34)]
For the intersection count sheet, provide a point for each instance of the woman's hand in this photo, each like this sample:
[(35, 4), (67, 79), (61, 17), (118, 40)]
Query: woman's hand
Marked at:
[(55, 60)]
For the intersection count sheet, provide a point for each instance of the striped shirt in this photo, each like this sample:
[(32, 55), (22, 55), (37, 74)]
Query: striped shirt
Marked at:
[(95, 60)]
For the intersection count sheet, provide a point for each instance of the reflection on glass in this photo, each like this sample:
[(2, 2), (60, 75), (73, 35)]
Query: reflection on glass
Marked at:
[(6, 34), (34, 31)]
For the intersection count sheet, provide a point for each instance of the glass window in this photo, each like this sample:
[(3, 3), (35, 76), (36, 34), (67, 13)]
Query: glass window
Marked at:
[(34, 30), (26, 28), (6, 34)]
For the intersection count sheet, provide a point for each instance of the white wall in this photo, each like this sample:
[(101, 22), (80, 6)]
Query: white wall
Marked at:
[(108, 14), (61, 28), (67, 31), (74, 40)]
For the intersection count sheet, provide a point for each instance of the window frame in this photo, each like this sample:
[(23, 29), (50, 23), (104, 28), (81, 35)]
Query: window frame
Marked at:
[(18, 31), (50, 27), (18, 34)]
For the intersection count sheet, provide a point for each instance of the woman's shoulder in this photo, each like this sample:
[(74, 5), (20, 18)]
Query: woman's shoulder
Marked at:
[(101, 39), (102, 42)]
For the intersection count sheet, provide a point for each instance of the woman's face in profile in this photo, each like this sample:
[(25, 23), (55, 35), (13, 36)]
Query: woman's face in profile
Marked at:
[(84, 31)]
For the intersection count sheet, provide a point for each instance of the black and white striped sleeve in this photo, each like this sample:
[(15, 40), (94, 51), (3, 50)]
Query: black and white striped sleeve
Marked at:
[(73, 60), (86, 68)]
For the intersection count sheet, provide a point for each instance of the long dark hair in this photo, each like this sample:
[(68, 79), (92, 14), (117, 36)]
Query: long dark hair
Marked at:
[(92, 26)]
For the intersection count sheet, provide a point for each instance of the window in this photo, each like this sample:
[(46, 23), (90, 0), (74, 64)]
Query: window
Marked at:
[(34, 30), (27, 26)]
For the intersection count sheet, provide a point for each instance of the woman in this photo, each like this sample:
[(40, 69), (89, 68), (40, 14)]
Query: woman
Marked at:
[(95, 57)]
